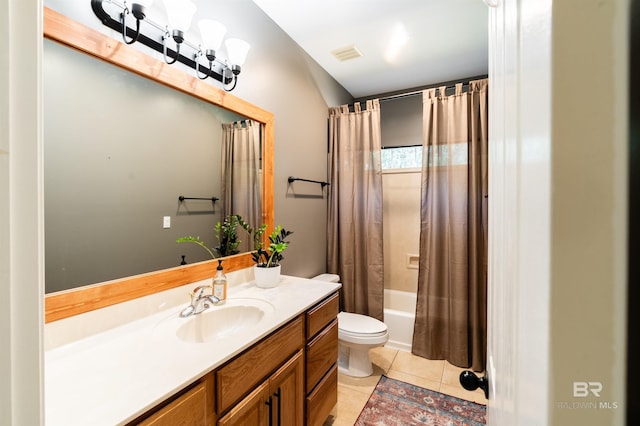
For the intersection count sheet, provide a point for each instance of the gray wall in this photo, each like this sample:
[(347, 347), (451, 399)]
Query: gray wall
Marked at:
[(278, 76), (401, 121)]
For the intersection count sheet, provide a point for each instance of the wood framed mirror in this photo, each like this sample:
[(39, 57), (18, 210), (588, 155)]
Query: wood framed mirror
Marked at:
[(68, 32)]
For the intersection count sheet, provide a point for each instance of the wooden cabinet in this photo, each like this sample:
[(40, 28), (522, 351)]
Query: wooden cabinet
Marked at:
[(321, 350), (289, 378), (321, 314), (238, 377), (321, 400), (322, 353), (287, 393), (278, 401), (189, 409), (193, 406), (252, 410)]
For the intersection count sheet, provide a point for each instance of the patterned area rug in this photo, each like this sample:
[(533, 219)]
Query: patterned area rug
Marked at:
[(397, 403)]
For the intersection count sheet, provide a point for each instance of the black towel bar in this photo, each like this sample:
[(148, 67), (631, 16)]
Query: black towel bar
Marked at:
[(323, 184), (182, 198)]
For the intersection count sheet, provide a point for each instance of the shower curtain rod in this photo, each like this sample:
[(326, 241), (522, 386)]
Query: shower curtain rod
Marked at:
[(390, 96), (418, 92)]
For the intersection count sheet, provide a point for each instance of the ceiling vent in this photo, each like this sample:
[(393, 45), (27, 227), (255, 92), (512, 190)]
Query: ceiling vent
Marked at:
[(346, 53)]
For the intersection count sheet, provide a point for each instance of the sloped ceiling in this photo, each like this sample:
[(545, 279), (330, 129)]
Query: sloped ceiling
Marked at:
[(404, 43)]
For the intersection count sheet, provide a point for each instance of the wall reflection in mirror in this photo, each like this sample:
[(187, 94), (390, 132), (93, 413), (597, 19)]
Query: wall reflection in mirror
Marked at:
[(119, 150)]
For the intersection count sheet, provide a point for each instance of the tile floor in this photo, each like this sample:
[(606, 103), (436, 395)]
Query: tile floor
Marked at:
[(353, 393)]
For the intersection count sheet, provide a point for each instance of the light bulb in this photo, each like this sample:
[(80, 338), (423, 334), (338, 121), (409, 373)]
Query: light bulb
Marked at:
[(145, 3), (179, 13), (237, 50), (212, 33)]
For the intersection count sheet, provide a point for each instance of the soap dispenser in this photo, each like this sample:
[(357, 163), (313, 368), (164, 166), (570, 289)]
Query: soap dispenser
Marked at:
[(220, 284)]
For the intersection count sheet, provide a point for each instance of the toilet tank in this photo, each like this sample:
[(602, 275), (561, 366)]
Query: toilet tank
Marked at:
[(332, 278)]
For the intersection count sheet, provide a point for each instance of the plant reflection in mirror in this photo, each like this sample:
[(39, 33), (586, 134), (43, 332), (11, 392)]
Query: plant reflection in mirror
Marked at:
[(226, 234)]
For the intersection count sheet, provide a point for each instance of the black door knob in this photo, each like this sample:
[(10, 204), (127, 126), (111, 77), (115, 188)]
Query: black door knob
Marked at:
[(470, 381)]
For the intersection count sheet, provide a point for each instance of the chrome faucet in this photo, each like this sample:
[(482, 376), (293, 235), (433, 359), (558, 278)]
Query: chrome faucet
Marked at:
[(200, 301)]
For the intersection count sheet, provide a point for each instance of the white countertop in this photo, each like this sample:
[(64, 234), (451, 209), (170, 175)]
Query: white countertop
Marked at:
[(114, 375)]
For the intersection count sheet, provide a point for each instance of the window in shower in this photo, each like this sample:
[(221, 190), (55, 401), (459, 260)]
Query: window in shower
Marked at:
[(410, 157), (403, 157)]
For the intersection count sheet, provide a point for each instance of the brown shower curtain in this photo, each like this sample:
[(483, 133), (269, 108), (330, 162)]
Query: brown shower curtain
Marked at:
[(354, 219), (451, 312), (241, 180)]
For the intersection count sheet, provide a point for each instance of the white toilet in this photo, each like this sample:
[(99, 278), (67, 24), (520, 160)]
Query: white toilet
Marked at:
[(356, 335)]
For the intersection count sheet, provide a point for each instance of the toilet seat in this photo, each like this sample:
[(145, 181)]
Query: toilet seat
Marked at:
[(356, 325), (362, 335)]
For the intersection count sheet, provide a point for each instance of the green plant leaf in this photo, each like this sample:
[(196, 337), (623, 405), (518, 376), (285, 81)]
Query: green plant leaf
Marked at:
[(198, 241)]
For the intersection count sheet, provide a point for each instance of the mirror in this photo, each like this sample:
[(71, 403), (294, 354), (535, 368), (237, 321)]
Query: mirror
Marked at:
[(159, 90), (119, 150)]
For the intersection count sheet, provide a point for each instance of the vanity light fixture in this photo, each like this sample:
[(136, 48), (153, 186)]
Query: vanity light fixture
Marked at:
[(139, 11), (212, 33), (237, 50), (158, 37), (179, 13)]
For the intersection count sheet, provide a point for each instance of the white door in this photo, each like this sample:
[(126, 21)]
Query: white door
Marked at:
[(519, 211), (21, 236), (557, 211)]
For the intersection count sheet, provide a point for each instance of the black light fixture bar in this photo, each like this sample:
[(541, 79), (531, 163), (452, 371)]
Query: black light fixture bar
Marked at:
[(216, 73)]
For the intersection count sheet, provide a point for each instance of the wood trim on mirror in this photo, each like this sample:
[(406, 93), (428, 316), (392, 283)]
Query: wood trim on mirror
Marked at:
[(72, 302)]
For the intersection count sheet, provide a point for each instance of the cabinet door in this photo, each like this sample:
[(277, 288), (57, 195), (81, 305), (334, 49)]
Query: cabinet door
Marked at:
[(287, 393), (189, 409), (251, 411), (256, 364)]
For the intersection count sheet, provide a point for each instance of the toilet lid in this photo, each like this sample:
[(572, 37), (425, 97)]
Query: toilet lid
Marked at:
[(356, 324)]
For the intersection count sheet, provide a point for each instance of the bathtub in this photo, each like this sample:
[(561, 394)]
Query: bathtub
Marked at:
[(399, 316)]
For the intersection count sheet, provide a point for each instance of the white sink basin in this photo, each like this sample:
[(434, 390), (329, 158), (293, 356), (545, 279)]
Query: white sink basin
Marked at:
[(221, 321)]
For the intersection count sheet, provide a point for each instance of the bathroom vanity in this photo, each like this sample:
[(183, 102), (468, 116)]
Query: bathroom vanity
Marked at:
[(267, 356)]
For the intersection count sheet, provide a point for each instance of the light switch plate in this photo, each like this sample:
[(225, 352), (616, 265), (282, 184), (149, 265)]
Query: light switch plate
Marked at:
[(166, 222)]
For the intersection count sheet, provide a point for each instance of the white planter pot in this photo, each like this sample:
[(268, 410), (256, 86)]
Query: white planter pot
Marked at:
[(267, 277)]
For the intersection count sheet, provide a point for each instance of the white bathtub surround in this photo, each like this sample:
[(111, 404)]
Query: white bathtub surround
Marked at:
[(109, 376), (399, 316)]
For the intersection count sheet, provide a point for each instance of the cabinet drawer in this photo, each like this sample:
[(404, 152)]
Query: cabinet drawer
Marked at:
[(241, 375), (321, 315), (322, 353), (323, 398)]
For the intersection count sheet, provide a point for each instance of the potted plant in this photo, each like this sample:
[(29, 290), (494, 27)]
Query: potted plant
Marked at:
[(267, 268)]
